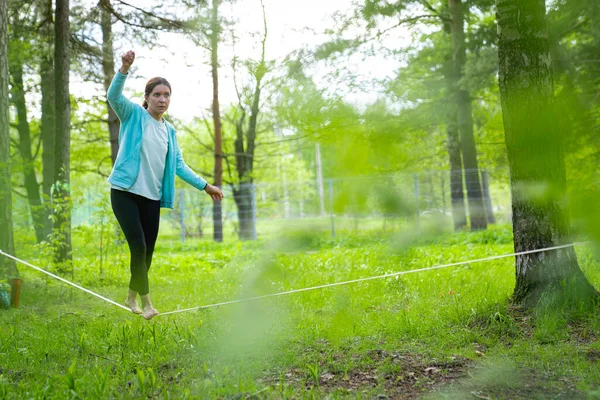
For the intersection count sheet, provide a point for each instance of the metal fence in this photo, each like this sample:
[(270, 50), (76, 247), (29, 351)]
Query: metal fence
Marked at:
[(331, 206)]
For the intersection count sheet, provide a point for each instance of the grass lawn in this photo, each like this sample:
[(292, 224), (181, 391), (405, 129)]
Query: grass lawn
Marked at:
[(448, 333)]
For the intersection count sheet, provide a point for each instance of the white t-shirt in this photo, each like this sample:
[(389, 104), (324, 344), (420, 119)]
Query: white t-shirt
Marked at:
[(153, 155)]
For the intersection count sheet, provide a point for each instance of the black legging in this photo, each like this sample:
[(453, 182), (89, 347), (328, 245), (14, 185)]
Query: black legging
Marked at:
[(139, 218)]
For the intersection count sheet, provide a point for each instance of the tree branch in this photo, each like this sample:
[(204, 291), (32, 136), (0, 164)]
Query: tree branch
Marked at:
[(428, 6), (169, 24), (287, 140), (100, 165), (15, 191), (37, 147)]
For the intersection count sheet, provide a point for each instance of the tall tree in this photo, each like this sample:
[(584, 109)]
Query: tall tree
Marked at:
[(245, 145), (25, 149), (215, 32), (47, 124), (108, 69), (61, 190), (18, 45), (7, 267), (535, 153), (465, 117), (453, 141), (462, 152)]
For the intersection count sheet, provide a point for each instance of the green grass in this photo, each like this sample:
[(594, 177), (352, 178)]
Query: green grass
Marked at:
[(447, 333)]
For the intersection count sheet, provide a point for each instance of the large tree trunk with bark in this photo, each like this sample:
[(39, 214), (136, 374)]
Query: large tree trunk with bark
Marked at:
[(47, 127), (31, 184), (535, 154), (61, 190), (108, 70), (216, 112), (7, 266), (465, 119)]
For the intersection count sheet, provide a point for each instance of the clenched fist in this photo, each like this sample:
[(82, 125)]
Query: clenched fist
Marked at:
[(127, 60)]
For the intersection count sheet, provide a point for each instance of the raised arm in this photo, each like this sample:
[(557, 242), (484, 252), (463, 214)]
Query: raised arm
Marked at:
[(122, 106)]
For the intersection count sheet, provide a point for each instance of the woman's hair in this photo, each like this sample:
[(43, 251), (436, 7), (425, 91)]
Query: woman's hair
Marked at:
[(152, 83)]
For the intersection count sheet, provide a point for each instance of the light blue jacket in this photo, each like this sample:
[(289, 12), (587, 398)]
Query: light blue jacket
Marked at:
[(127, 165)]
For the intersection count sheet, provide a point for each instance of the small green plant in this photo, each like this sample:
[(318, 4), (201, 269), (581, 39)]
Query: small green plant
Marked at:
[(313, 371), (69, 377)]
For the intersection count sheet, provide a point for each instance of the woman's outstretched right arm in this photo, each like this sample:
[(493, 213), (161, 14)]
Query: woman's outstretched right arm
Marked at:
[(122, 106)]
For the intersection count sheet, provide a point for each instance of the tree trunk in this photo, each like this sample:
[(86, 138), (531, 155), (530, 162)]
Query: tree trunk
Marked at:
[(214, 62), (245, 151), (489, 212), (7, 266), (61, 190), (243, 199), (535, 153), (465, 119), (47, 128), (453, 143), (31, 184), (108, 69)]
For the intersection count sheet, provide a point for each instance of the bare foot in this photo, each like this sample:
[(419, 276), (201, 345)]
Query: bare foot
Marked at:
[(149, 312), (133, 304)]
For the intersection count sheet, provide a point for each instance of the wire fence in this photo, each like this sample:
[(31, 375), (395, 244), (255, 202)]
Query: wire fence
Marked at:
[(331, 206)]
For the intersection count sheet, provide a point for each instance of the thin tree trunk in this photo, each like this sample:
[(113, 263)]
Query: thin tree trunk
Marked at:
[(251, 132), (108, 69), (535, 153), (31, 184), (465, 119), (218, 179), (489, 212), (47, 128), (7, 266), (61, 195)]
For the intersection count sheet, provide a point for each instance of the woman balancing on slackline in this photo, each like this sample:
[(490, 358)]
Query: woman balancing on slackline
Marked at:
[(143, 177)]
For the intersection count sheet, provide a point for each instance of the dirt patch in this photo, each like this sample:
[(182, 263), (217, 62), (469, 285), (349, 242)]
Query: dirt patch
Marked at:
[(581, 334), (401, 375), (398, 375), (518, 384), (593, 355)]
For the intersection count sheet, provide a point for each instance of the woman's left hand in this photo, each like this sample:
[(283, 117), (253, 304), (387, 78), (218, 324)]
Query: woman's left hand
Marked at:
[(214, 192)]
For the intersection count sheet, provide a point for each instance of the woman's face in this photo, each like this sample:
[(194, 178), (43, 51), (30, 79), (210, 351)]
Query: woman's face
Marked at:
[(158, 101)]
